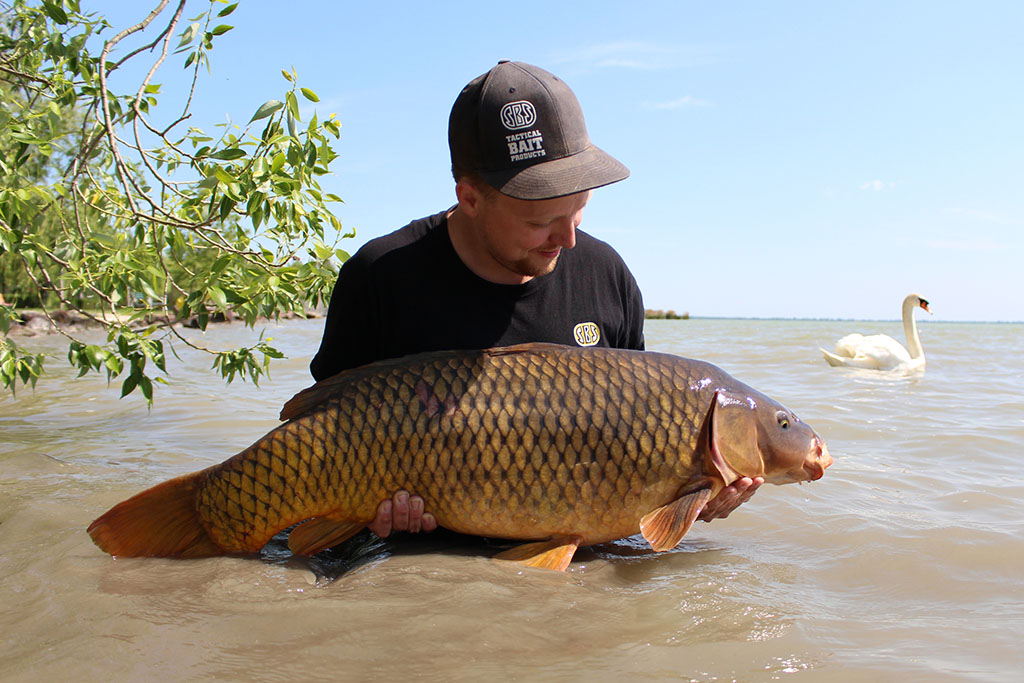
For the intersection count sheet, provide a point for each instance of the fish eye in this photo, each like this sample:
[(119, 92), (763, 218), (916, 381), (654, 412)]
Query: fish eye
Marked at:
[(783, 420)]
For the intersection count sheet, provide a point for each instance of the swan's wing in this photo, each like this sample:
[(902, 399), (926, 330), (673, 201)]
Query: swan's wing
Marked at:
[(887, 351), (835, 360), (861, 361), (876, 351), (847, 346)]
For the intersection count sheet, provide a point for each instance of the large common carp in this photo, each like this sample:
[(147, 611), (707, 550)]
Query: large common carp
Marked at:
[(553, 444)]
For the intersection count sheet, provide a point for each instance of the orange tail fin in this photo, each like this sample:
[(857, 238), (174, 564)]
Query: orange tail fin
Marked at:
[(159, 522)]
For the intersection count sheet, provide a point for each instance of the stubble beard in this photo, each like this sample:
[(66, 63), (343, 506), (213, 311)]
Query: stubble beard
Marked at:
[(532, 268)]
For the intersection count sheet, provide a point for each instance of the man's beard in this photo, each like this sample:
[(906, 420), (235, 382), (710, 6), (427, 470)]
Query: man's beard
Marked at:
[(528, 267)]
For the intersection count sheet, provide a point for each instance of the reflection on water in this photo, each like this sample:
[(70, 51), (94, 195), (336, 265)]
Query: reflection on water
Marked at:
[(906, 561)]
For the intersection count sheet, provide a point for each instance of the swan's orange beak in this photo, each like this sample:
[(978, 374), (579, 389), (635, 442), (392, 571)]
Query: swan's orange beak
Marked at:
[(924, 305)]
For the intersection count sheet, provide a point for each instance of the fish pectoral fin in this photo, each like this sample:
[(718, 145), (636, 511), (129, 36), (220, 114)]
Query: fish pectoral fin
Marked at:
[(664, 527), (320, 533), (555, 553)]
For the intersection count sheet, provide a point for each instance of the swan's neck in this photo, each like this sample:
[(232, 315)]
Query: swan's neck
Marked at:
[(910, 329)]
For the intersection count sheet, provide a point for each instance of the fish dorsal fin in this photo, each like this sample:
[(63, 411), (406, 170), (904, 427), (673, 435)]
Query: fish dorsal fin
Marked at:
[(321, 533), (324, 390), (555, 553), (529, 347), (664, 527)]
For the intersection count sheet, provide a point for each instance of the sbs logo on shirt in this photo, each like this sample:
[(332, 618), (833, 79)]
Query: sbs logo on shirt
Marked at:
[(586, 334)]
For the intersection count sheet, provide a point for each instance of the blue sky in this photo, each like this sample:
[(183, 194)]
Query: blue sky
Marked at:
[(789, 159)]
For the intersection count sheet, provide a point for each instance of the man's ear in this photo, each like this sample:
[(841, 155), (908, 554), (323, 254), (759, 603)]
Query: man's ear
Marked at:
[(470, 197)]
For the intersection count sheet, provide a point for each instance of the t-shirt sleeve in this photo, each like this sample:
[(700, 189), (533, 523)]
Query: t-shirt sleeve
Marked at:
[(350, 328), (634, 314)]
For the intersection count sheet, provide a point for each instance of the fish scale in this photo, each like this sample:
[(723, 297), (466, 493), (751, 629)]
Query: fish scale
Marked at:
[(531, 442)]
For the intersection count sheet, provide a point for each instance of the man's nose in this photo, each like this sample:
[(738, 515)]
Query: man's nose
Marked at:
[(563, 233)]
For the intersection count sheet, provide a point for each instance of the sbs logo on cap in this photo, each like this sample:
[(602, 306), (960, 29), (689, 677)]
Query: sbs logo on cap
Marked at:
[(516, 115), (586, 334)]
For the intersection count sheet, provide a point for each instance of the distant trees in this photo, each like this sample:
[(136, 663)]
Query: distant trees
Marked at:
[(658, 314), (135, 219)]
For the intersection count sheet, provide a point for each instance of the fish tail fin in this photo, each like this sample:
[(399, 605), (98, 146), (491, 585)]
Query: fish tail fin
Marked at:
[(159, 522)]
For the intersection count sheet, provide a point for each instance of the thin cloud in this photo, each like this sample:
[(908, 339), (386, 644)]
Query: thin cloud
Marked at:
[(967, 245), (637, 55), (979, 215), (678, 103), (878, 185)]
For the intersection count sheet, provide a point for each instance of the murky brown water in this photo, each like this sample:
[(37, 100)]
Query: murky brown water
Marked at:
[(906, 562)]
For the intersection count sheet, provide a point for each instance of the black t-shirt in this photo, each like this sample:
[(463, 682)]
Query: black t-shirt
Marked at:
[(409, 292)]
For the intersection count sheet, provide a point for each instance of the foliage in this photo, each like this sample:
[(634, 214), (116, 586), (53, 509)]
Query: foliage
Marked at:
[(138, 222)]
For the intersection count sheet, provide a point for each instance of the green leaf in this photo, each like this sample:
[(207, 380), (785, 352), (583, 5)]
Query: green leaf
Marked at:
[(55, 12), (189, 34), (293, 106), (147, 388), (218, 297), (227, 10), (129, 385), (268, 108), (224, 176), (219, 266), (113, 365), (229, 154), (309, 95), (221, 30)]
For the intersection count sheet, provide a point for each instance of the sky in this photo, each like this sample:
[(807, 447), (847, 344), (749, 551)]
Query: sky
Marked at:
[(788, 159)]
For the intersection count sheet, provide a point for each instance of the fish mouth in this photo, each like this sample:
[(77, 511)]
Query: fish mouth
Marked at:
[(818, 460)]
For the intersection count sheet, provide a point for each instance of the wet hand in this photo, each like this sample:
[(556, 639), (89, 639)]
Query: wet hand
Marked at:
[(402, 512), (731, 497)]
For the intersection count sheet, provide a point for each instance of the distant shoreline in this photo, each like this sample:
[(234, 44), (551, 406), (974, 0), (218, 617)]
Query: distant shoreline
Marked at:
[(658, 314), (921, 321), (34, 321)]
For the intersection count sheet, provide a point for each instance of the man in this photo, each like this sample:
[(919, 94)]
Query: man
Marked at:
[(505, 265)]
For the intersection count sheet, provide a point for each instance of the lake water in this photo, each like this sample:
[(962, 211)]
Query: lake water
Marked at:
[(905, 562)]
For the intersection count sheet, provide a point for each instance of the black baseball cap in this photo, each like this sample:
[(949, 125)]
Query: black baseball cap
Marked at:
[(521, 129)]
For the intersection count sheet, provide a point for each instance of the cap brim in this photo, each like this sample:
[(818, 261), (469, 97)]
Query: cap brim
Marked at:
[(580, 172)]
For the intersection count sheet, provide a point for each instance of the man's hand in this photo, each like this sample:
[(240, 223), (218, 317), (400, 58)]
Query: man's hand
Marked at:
[(401, 513), (731, 497)]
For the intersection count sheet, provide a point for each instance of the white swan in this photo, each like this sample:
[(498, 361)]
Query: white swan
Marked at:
[(880, 351)]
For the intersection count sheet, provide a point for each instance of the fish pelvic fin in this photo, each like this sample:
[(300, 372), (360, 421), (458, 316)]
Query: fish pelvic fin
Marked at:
[(664, 527), (555, 553), (321, 533), (159, 522)]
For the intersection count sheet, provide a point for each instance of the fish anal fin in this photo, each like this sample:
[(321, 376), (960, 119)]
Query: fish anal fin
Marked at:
[(320, 533), (664, 527), (159, 522), (555, 553)]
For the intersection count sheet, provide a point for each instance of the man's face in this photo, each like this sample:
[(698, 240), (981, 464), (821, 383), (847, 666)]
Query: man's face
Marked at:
[(526, 237)]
